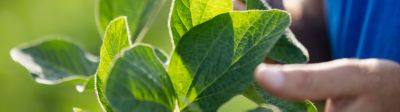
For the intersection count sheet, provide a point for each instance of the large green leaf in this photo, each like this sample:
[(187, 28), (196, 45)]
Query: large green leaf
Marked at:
[(115, 40), (187, 14), (288, 49), (138, 82), (214, 61), (140, 14), (55, 61)]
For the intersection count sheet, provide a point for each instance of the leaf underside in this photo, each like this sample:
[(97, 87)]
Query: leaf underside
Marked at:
[(55, 61)]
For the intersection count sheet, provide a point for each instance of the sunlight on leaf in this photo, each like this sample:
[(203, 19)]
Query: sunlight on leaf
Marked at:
[(187, 14), (115, 40)]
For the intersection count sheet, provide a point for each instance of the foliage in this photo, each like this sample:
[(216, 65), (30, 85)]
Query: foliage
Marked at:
[(215, 53)]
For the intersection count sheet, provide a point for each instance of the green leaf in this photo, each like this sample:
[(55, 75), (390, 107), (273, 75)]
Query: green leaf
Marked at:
[(87, 85), (214, 61), (186, 14), (288, 50), (259, 96), (140, 14), (76, 109), (257, 5), (161, 55), (55, 61), (115, 40), (138, 82)]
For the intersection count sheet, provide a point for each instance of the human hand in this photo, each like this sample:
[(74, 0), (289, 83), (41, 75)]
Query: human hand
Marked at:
[(349, 85)]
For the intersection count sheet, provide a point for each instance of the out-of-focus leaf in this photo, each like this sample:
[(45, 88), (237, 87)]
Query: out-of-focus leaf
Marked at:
[(140, 14), (55, 61), (138, 82), (76, 109), (87, 85), (214, 61), (115, 40), (187, 14), (259, 96)]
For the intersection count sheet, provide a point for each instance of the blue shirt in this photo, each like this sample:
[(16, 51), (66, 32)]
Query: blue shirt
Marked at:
[(364, 28)]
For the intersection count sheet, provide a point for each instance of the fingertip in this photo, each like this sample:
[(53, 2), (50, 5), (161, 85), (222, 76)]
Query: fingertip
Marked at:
[(269, 76)]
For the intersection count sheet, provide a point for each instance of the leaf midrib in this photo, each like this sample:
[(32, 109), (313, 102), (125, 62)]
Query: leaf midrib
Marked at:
[(204, 58), (229, 67)]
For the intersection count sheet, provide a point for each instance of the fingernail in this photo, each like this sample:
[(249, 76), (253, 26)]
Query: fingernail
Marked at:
[(270, 75)]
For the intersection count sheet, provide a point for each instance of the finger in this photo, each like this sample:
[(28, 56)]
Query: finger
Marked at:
[(313, 81), (237, 5)]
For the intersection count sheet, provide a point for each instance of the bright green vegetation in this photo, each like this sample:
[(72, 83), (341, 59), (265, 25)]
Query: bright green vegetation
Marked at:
[(215, 53)]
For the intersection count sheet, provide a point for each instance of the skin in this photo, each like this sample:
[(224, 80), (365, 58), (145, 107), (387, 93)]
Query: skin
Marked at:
[(347, 85)]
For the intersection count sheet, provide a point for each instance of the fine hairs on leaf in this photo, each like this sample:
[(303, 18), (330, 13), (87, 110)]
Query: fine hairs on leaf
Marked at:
[(215, 52)]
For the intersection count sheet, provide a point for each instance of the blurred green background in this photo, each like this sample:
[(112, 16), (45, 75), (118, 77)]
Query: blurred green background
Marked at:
[(23, 21)]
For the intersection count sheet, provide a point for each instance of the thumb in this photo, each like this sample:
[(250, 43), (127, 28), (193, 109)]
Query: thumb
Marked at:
[(314, 81)]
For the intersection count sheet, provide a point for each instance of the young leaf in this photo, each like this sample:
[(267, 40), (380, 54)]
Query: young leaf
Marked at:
[(187, 14), (259, 96), (55, 61), (288, 49), (115, 40), (140, 14), (138, 82), (214, 60)]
